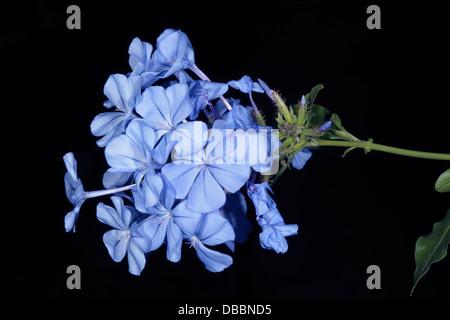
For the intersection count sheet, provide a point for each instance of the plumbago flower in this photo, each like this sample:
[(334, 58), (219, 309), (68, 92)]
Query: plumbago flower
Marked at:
[(178, 154), (217, 145), (124, 238)]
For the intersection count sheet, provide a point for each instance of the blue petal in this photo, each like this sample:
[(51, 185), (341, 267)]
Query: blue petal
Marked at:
[(155, 107), (126, 153), (114, 180), (179, 101), (300, 158), (123, 155), (122, 91), (181, 176), (215, 229), (110, 216), (214, 261), (136, 257), (186, 219), (116, 241), (140, 131), (139, 52), (154, 229), (206, 194), (230, 176), (70, 219), (150, 189), (174, 242), (108, 125), (71, 165)]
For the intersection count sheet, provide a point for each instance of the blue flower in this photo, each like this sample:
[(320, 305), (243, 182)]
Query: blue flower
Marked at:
[(133, 153), (209, 229), (300, 158), (173, 53), (203, 175), (140, 53), (164, 110), (203, 92), (74, 191), (124, 238), (123, 93), (275, 231), (258, 193), (246, 85), (163, 224)]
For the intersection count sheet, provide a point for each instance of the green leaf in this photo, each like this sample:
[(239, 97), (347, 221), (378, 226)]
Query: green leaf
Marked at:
[(443, 182), (431, 248), (318, 115), (310, 97)]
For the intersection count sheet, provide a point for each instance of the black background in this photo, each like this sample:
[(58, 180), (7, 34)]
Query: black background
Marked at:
[(390, 85)]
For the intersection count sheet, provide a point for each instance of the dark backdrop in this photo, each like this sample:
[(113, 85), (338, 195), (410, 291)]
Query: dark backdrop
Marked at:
[(390, 85)]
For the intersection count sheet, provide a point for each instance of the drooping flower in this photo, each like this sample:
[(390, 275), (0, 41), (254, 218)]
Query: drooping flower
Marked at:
[(203, 92), (134, 153), (246, 85), (74, 191), (275, 231), (258, 193), (300, 158), (209, 229), (173, 53), (125, 237), (123, 93)]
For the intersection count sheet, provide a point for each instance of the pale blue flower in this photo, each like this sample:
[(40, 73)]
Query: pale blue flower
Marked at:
[(275, 231), (134, 153), (123, 94), (258, 193), (173, 53), (125, 237), (202, 176), (246, 85), (164, 110), (209, 229)]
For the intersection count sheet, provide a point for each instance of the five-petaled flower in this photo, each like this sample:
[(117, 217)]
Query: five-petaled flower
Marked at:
[(125, 237)]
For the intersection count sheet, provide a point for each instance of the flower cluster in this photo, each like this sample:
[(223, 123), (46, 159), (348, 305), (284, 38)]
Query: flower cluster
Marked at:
[(179, 153)]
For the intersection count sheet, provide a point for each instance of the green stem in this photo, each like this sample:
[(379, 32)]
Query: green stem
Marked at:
[(379, 147)]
